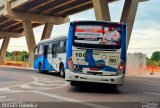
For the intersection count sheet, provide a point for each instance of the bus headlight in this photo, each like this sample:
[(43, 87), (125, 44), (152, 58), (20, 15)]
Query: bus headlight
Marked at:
[(70, 64), (120, 68)]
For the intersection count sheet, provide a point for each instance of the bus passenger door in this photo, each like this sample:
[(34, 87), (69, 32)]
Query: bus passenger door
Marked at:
[(45, 53), (54, 56), (36, 56), (49, 57)]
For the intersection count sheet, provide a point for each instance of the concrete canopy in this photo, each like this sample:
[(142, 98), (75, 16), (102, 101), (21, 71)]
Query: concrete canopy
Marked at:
[(39, 11), (19, 17)]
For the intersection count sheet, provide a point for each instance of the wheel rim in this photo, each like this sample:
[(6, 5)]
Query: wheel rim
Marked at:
[(61, 73), (62, 70)]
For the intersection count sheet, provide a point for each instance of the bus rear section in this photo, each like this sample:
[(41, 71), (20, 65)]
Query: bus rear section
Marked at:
[(96, 52)]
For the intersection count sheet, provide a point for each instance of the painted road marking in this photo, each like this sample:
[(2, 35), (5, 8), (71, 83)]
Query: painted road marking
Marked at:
[(40, 84), (26, 86), (1, 97), (35, 85), (151, 93), (12, 91), (69, 99), (4, 89), (4, 98)]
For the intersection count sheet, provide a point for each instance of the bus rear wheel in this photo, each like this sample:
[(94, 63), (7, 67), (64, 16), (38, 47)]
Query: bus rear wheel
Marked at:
[(40, 68), (62, 71)]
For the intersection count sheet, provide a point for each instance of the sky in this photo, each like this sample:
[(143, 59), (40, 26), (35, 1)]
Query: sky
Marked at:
[(145, 35)]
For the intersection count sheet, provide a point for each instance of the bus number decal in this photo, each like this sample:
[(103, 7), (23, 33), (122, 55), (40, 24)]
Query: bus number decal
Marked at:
[(113, 60), (80, 55)]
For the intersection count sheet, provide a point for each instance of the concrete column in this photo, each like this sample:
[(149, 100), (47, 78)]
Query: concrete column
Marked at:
[(4, 48), (128, 16), (28, 31), (101, 9), (47, 31)]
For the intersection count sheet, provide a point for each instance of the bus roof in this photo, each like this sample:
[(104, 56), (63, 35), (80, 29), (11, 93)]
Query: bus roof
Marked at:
[(53, 39), (97, 22)]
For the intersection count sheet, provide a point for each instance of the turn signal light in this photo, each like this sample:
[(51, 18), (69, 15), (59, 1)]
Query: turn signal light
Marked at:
[(70, 63), (120, 67)]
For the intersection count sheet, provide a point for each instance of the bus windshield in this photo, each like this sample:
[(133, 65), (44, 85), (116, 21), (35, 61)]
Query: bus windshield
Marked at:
[(98, 36)]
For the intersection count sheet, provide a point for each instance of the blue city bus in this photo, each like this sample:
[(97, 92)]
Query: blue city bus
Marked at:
[(96, 52), (50, 55)]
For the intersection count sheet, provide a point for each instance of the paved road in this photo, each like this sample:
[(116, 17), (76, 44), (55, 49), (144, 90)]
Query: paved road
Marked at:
[(25, 85)]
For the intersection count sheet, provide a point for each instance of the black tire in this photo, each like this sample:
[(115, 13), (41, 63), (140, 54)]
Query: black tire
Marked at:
[(62, 71), (40, 68)]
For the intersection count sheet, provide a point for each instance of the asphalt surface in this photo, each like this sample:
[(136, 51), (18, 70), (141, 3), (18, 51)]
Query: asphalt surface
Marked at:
[(18, 86)]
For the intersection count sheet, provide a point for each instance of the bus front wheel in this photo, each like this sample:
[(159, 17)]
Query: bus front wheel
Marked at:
[(62, 71), (40, 68)]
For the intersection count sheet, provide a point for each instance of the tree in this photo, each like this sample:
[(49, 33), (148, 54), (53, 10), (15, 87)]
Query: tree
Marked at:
[(24, 55), (155, 56), (8, 54)]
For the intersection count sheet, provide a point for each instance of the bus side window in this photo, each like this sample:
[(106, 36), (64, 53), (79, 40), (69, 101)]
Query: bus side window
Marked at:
[(61, 44), (62, 47), (50, 49), (65, 44), (55, 50), (41, 49)]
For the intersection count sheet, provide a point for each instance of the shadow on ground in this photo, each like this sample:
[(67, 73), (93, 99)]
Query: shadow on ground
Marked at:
[(95, 88)]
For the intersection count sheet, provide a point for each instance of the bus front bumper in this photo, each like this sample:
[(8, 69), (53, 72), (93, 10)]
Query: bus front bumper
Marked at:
[(71, 76)]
